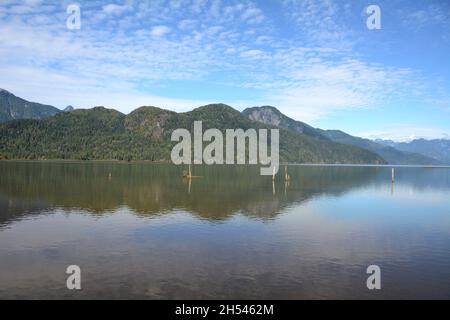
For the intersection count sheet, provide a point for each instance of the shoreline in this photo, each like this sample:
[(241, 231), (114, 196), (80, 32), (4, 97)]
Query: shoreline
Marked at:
[(281, 164)]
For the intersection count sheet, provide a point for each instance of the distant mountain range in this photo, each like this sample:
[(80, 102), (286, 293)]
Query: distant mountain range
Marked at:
[(35, 131), (271, 115), (390, 154), (437, 148)]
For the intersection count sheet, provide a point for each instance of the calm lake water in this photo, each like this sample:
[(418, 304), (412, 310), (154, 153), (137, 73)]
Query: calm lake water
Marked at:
[(141, 231)]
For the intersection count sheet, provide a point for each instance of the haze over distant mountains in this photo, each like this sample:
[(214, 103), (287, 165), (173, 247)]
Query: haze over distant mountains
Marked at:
[(46, 132), (404, 154), (436, 148), (390, 154)]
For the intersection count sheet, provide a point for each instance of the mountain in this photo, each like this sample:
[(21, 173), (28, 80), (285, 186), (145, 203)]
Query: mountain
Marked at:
[(390, 154), (390, 143), (273, 116), (144, 134), (437, 148), (12, 107), (68, 109)]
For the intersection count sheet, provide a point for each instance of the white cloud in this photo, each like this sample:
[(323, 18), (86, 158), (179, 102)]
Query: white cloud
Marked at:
[(309, 86), (159, 31), (310, 103), (85, 93), (115, 9), (252, 15), (317, 19)]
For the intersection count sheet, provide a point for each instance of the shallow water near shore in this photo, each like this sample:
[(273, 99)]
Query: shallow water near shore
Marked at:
[(141, 231)]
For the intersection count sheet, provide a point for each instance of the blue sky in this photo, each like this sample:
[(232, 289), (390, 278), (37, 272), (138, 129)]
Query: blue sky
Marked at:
[(315, 60)]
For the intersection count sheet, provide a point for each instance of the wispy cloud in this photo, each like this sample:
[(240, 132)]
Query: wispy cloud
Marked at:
[(131, 48), (305, 57), (159, 31), (434, 13), (114, 9)]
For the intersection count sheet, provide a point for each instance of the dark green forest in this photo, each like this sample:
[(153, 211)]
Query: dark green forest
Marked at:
[(144, 134)]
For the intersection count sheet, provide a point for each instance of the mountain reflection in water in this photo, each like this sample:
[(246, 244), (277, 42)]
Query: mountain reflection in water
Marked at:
[(140, 230)]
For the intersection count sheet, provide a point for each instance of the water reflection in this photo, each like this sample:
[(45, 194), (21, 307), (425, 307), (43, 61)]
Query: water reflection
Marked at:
[(142, 231), (152, 189)]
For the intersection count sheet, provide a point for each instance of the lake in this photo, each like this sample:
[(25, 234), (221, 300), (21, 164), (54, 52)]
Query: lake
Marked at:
[(141, 231)]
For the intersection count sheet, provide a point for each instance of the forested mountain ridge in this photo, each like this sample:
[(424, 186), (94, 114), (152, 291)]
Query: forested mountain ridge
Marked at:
[(144, 134)]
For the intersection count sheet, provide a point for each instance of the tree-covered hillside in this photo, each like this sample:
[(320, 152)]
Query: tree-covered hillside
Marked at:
[(144, 134)]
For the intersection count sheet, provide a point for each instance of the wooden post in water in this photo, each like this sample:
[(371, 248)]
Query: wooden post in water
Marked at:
[(286, 175), (189, 185), (393, 175), (273, 174), (188, 174)]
